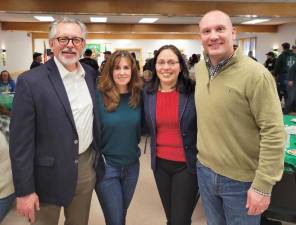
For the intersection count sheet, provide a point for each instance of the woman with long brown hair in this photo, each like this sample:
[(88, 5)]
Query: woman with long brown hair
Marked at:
[(119, 105)]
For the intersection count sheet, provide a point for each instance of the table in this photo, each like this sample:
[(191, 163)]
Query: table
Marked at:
[(6, 100), (283, 200)]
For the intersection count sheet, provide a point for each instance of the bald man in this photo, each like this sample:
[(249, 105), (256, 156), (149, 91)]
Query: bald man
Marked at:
[(240, 128)]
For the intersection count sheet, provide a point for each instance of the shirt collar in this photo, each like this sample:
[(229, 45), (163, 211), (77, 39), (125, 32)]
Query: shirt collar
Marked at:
[(65, 73), (215, 70)]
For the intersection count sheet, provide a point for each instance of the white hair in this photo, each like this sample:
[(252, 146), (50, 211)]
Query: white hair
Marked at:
[(53, 26)]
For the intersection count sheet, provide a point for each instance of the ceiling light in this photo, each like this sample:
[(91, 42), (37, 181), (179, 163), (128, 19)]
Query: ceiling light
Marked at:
[(44, 18), (148, 20), (98, 19), (255, 21), (251, 16)]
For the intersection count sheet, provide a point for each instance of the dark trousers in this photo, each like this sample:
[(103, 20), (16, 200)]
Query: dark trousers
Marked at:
[(178, 190), (282, 87), (290, 103)]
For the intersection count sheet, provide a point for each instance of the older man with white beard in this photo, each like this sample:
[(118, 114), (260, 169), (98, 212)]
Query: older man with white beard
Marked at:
[(52, 144)]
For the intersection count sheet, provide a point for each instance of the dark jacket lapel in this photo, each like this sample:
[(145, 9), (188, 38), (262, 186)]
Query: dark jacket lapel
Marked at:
[(152, 112), (182, 105), (57, 83)]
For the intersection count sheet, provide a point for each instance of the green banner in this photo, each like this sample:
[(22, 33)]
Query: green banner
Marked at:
[(96, 48)]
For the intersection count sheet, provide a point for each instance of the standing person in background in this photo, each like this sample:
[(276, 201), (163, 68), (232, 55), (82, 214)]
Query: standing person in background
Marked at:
[(270, 62), (149, 65), (194, 59), (7, 196), (137, 61), (54, 132), (290, 104), (171, 121), (241, 136), (107, 55), (37, 60), (250, 54), (283, 63), (7, 84), (294, 49), (89, 60), (119, 105)]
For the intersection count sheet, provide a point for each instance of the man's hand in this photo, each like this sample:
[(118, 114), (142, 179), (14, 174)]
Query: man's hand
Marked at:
[(26, 206), (290, 83), (256, 203)]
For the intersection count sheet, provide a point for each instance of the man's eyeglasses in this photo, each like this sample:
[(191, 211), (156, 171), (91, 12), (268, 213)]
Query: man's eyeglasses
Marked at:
[(64, 41), (170, 63)]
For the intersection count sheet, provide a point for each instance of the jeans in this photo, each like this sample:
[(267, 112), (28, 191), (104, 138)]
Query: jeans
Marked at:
[(115, 191), (178, 190), (5, 205), (224, 199)]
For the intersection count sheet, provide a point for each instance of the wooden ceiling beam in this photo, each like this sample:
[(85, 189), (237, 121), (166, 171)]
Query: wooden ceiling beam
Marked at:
[(134, 28), (149, 7), (129, 36)]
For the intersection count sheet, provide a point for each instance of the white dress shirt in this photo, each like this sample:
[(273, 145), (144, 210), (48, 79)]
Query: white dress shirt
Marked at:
[(80, 102)]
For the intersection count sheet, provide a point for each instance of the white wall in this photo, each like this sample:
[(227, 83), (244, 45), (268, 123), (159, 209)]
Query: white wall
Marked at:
[(18, 47), (287, 33), (266, 42), (269, 41)]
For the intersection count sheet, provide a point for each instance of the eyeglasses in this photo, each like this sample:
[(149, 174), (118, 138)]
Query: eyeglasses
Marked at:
[(64, 41), (170, 63)]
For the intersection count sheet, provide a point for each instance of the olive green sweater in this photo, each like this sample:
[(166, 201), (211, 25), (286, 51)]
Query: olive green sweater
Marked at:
[(240, 123)]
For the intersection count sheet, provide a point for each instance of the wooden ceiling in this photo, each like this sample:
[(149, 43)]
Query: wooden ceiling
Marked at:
[(131, 8), (150, 7)]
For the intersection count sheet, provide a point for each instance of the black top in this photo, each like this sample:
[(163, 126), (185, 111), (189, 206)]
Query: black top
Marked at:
[(92, 62), (35, 64)]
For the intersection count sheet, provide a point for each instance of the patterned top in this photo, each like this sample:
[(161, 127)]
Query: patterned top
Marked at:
[(215, 70), (4, 125)]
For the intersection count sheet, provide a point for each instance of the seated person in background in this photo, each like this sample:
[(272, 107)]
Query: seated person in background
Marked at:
[(6, 184), (89, 60), (7, 84)]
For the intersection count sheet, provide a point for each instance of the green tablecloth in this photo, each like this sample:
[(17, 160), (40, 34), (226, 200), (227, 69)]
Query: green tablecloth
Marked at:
[(290, 160), (6, 100)]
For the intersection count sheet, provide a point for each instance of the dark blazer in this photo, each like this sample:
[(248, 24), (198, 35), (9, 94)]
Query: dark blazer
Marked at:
[(188, 126), (43, 138)]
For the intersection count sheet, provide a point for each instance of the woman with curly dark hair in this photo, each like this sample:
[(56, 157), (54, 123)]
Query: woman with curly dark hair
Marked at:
[(119, 105), (171, 120)]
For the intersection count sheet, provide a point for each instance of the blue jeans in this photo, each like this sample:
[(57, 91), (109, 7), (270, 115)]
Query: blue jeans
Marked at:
[(115, 191), (5, 205), (224, 199)]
